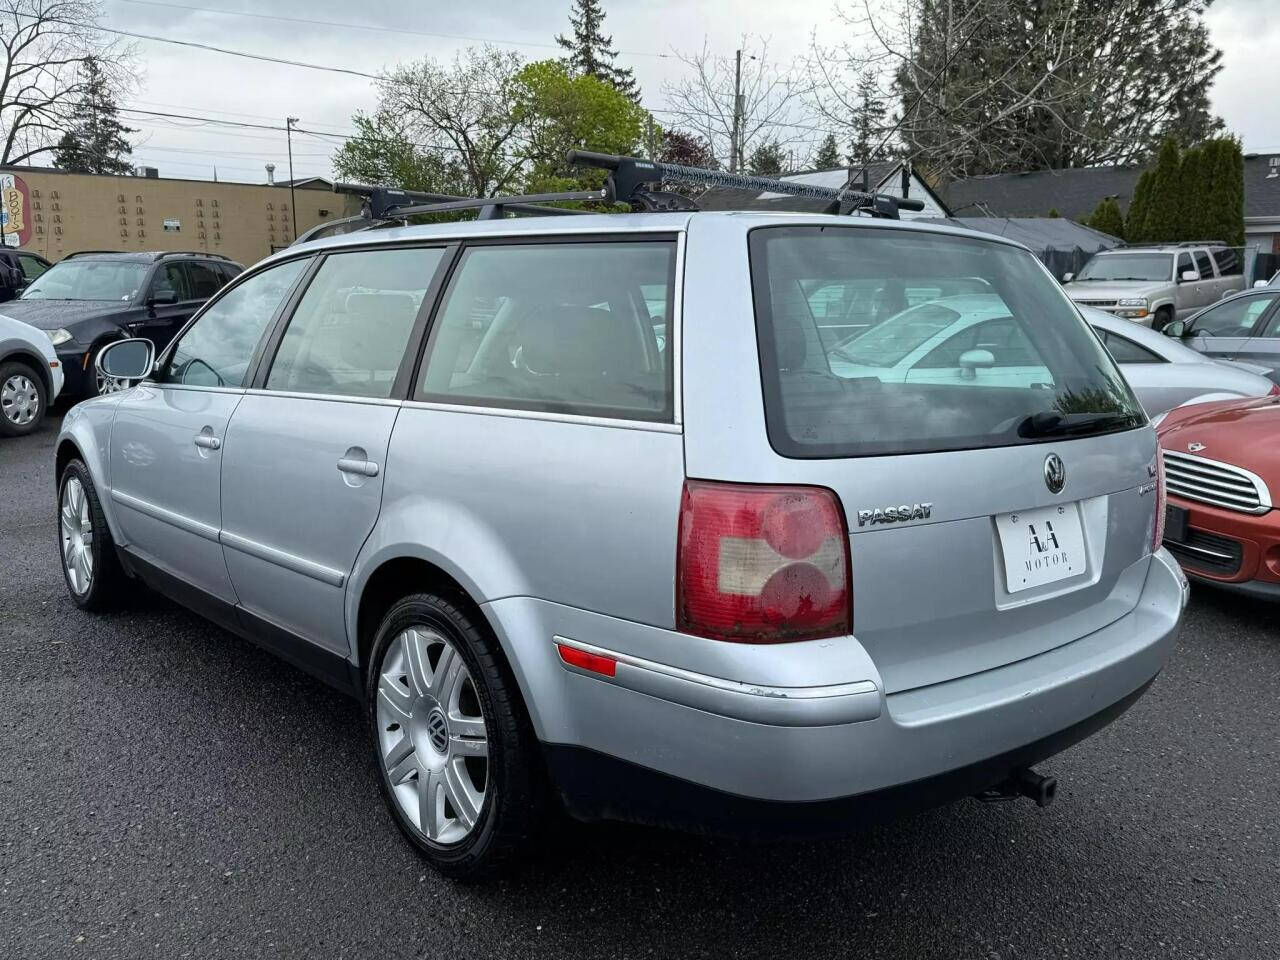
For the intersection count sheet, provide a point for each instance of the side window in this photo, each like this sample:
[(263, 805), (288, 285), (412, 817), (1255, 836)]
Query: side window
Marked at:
[(1126, 351), (170, 280), (1228, 262), (205, 281), (1235, 318), (576, 331), (31, 267), (1203, 265), (1184, 263), (216, 350), (349, 333)]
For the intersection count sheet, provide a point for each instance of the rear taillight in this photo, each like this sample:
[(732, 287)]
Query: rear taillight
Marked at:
[(762, 564), (1162, 501), (1275, 390)]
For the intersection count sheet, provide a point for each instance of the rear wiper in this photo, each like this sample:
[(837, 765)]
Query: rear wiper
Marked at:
[(1047, 424)]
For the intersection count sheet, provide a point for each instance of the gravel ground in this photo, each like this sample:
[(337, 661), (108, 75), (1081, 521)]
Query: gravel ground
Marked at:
[(168, 790)]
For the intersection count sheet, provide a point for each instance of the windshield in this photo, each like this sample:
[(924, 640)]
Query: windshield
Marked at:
[(1128, 266), (88, 280), (1014, 364)]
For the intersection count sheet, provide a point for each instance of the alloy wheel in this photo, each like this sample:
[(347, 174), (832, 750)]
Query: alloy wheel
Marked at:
[(19, 399), (107, 384), (77, 536), (432, 738)]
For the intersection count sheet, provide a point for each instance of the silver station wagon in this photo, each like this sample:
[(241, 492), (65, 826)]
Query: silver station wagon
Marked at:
[(592, 511)]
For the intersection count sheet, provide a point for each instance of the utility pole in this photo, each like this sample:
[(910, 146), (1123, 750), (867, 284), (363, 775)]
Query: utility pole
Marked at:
[(293, 206), (649, 137), (734, 146)]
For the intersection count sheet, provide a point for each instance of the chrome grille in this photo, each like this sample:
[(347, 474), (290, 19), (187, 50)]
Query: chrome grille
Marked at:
[(1096, 303), (1216, 483)]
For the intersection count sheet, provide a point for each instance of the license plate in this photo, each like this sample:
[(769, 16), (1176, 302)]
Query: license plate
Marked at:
[(1041, 546), (1175, 523)]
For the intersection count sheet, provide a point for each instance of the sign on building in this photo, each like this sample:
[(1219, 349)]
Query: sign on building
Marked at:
[(172, 225), (15, 211)]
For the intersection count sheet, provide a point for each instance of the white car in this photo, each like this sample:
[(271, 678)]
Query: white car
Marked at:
[(30, 377)]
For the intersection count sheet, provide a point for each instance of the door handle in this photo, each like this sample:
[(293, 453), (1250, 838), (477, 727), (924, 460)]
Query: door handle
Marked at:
[(207, 442), (363, 468)]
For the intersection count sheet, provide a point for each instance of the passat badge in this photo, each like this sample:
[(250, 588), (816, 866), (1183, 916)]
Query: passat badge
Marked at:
[(1055, 473), (906, 511)]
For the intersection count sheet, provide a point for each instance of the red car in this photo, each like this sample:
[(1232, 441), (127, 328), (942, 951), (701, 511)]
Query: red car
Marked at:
[(1222, 464)]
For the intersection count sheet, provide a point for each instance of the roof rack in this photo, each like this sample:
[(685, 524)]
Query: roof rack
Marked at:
[(191, 253), (89, 253), (629, 181), (1181, 243)]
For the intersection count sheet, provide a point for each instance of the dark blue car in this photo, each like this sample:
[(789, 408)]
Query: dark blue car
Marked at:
[(89, 299)]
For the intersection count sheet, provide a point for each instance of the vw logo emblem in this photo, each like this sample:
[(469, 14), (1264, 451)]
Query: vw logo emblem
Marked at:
[(1055, 473), (1195, 446), (438, 731)]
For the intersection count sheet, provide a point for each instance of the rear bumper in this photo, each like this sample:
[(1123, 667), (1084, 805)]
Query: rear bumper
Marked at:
[(821, 729), (1240, 550)]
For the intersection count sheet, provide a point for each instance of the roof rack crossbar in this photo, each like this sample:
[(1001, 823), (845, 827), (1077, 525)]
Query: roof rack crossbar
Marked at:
[(629, 176)]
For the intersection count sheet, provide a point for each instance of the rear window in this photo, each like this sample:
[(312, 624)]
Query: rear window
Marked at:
[(998, 357)]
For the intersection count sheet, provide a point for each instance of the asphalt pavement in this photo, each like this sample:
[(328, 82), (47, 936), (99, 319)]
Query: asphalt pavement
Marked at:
[(168, 790)]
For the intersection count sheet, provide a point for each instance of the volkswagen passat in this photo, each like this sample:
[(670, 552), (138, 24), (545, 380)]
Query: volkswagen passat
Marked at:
[(587, 511)]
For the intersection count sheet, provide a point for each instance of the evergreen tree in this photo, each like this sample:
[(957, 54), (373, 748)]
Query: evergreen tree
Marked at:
[(591, 52), (868, 122), (1224, 210), (1107, 218), (1135, 228), (1193, 194), (767, 160), (1164, 216), (1054, 214), (96, 142), (828, 155)]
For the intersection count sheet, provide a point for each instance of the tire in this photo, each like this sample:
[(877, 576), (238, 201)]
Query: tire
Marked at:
[(23, 399), (90, 566), (425, 724), (1163, 317)]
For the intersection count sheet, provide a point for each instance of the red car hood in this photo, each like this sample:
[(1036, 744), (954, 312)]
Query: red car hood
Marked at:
[(1242, 432)]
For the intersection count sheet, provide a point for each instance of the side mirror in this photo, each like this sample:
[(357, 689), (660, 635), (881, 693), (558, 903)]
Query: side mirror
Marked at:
[(1176, 329), (1259, 283), (127, 359), (973, 360), (162, 298), (1188, 276), (1068, 277)]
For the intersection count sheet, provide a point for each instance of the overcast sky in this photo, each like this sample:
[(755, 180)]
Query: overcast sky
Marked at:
[(206, 84)]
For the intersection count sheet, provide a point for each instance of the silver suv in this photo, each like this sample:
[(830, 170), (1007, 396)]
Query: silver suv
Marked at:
[(1157, 284), (592, 511)]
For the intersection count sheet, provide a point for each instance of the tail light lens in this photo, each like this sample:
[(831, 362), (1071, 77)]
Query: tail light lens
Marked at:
[(762, 564), (1162, 500), (1275, 390)]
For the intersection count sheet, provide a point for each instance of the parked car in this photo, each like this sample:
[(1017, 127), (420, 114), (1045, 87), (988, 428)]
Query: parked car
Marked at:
[(30, 377), (1165, 374), (1245, 326), (705, 582), (1222, 464), (1158, 283), (90, 299), (1273, 282), (17, 269)]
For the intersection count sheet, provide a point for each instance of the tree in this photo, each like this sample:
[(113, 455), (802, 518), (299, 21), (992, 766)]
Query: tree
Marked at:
[(95, 142), (1193, 195), (45, 45), (868, 121), (1224, 210), (1135, 227), (686, 149), (1164, 216), (772, 100), (591, 53), (462, 110), (828, 155), (557, 111), (988, 86), (383, 154), (767, 160), (1053, 214), (1107, 218)]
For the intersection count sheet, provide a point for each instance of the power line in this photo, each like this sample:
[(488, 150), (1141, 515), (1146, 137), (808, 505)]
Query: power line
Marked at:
[(364, 26)]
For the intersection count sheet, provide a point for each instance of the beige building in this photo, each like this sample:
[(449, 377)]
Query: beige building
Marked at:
[(54, 213)]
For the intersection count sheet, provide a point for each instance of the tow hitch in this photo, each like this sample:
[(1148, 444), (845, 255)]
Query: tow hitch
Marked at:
[(1023, 783)]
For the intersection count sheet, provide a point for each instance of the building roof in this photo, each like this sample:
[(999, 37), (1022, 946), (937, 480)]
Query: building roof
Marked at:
[(1076, 193)]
